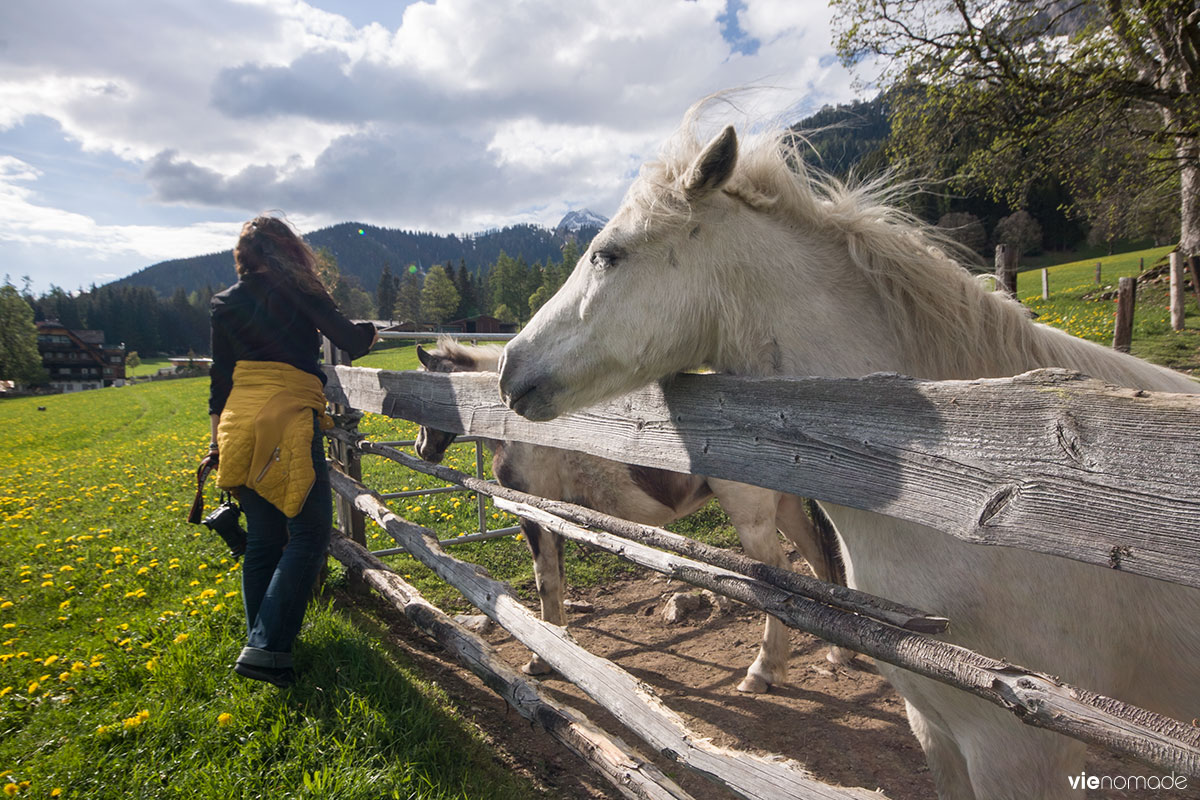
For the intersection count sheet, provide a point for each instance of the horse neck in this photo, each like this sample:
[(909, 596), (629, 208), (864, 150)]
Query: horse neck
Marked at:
[(821, 313)]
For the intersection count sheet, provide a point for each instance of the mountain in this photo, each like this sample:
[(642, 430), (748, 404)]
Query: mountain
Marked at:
[(576, 221), (363, 251), (846, 138)]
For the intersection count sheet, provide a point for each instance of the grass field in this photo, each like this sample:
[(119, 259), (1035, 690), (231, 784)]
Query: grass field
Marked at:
[(1071, 309), (119, 621), (148, 367)]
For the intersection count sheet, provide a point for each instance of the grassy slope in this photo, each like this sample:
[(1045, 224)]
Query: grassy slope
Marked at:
[(120, 621), (1070, 308)]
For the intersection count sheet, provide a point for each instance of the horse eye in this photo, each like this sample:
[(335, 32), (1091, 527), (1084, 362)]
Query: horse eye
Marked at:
[(604, 259)]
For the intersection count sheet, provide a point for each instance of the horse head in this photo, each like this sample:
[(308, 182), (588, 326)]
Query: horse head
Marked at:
[(571, 354), (449, 356)]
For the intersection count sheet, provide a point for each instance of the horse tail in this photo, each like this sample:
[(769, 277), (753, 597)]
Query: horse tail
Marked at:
[(827, 539)]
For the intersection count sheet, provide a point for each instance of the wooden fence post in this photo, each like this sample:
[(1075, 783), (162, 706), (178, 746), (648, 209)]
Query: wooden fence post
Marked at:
[(350, 520), (1006, 269), (1177, 291), (1123, 329), (1194, 263), (1097, 273), (1045, 284)]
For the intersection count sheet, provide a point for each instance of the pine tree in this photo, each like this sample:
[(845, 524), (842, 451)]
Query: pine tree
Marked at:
[(385, 295), (408, 296), (439, 298), (463, 281)]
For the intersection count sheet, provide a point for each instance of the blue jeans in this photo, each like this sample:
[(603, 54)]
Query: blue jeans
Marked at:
[(283, 559)]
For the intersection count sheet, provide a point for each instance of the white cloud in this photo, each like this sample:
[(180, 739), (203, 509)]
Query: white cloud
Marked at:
[(24, 222), (469, 112)]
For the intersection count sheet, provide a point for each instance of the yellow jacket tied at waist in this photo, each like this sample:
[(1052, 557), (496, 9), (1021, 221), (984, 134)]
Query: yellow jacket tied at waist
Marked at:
[(266, 430)]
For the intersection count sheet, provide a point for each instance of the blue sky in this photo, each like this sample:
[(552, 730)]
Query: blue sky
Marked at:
[(133, 131)]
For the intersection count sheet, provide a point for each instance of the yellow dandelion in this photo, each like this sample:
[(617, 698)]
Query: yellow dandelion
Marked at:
[(224, 719), (181, 638)]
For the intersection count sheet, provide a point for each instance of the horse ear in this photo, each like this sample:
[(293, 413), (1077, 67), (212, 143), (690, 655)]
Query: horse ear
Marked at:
[(425, 359), (713, 167)]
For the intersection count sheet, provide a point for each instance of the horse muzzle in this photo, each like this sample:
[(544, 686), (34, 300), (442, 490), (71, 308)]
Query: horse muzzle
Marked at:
[(529, 392)]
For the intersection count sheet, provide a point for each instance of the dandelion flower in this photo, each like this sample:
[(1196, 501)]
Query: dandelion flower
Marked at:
[(224, 719), (181, 638)]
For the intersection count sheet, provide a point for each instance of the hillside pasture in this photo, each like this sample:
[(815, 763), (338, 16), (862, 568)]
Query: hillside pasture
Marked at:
[(1075, 307)]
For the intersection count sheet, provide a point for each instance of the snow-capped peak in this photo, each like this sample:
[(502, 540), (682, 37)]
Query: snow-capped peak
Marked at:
[(583, 218)]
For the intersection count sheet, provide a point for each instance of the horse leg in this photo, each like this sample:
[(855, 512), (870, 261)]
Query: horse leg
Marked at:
[(547, 549), (976, 751), (1008, 760), (946, 762), (752, 512), (793, 521)]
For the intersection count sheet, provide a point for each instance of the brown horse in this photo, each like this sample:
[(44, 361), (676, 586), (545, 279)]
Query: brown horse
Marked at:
[(645, 495)]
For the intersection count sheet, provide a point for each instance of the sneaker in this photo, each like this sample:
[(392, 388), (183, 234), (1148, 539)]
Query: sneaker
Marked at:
[(281, 677)]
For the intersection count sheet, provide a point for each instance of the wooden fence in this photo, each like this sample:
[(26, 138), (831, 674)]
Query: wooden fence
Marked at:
[(1046, 461)]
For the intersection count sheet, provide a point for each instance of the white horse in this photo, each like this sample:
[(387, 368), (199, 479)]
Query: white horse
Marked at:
[(746, 262), (646, 495)]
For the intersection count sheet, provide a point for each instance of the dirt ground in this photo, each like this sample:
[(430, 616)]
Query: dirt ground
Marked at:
[(845, 724)]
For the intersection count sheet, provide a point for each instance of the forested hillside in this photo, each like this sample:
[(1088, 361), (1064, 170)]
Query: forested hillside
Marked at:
[(362, 252)]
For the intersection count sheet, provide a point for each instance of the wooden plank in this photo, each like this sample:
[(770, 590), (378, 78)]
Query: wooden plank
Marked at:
[(1036, 699), (842, 597), (1046, 461), (627, 770), (631, 701), (347, 458)]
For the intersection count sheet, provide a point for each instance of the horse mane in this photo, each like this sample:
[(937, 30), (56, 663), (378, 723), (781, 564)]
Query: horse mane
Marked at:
[(948, 325)]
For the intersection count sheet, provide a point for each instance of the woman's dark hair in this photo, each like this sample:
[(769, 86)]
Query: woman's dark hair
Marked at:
[(268, 244)]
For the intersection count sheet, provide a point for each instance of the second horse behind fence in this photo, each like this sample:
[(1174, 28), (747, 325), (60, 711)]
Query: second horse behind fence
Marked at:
[(646, 495)]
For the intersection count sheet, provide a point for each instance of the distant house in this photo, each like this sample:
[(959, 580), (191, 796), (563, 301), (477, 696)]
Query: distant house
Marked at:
[(481, 324), (79, 360)]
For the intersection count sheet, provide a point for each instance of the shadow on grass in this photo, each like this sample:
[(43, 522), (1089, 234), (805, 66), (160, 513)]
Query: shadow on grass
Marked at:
[(373, 721)]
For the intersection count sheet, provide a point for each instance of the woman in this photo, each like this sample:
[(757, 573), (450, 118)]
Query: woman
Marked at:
[(267, 405)]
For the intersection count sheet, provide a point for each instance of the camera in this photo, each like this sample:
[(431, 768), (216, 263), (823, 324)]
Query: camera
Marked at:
[(226, 521)]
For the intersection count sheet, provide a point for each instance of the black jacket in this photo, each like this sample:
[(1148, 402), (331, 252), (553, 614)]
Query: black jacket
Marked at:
[(265, 318)]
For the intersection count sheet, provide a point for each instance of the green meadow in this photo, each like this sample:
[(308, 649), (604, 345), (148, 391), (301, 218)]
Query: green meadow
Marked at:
[(1072, 308), (119, 621)]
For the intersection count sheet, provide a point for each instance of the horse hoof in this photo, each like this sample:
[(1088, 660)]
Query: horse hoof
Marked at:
[(840, 655), (753, 684), (537, 667)]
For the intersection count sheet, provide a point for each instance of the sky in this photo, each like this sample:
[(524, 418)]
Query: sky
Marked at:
[(134, 131)]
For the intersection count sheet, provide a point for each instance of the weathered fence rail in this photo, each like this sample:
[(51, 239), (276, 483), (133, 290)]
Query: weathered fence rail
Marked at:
[(1047, 461), (628, 699), (1035, 698), (627, 769)]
